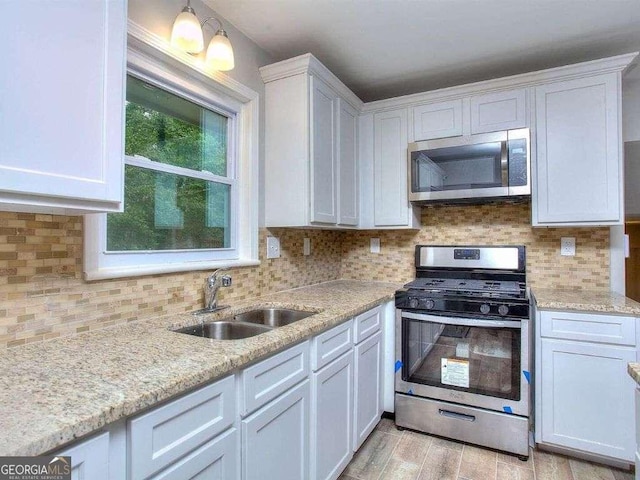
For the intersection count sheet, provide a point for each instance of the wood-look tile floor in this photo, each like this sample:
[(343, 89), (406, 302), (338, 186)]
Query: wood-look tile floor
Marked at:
[(390, 454)]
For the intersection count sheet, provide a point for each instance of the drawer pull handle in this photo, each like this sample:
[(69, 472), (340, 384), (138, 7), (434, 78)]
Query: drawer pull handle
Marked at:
[(456, 415)]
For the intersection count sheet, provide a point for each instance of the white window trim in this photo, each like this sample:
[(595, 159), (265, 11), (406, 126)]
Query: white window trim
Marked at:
[(151, 56)]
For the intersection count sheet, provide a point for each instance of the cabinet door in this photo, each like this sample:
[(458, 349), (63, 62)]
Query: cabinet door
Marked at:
[(499, 111), (578, 152), (89, 458), (323, 153), (332, 418), (61, 127), (275, 439), (348, 191), (587, 397), (437, 120), (391, 197), (367, 388), (215, 460)]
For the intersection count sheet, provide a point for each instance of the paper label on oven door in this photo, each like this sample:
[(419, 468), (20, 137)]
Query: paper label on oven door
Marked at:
[(455, 372)]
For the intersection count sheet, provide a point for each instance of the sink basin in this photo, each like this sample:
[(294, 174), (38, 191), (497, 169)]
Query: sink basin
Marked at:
[(273, 317), (225, 330)]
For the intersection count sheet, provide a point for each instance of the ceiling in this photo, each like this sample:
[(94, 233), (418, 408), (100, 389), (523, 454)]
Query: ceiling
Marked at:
[(386, 48)]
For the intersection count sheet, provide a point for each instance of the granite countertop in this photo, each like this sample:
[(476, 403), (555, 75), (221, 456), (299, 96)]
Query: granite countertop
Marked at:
[(585, 300), (54, 392), (634, 370)]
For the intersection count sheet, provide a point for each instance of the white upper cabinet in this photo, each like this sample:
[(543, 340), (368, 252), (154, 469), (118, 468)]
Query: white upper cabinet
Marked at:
[(391, 202), (578, 174), (496, 111), (348, 184), (481, 113), (311, 151), (61, 97), (437, 120), (323, 150)]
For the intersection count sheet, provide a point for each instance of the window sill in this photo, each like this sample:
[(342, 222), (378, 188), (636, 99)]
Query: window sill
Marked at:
[(121, 272)]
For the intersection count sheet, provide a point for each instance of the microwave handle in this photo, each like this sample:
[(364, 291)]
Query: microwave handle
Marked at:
[(504, 163)]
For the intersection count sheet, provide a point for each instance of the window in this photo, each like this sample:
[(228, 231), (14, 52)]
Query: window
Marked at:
[(178, 175), (190, 167)]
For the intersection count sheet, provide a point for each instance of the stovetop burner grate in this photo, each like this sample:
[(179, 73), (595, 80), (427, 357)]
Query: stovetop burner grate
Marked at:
[(468, 287)]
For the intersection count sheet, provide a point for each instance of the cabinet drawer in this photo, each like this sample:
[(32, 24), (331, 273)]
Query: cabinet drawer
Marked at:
[(266, 380), (216, 460), (614, 329), (160, 437), (368, 323), (329, 345)]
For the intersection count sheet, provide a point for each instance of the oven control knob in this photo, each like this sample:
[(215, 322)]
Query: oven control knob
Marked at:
[(429, 304), (413, 303), (484, 308), (503, 310)]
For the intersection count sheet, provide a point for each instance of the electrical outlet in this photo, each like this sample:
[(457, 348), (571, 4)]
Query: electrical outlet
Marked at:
[(306, 246), (568, 246), (273, 247), (375, 245)]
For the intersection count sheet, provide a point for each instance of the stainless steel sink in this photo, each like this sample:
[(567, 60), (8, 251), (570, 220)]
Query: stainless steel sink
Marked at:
[(225, 330), (247, 324), (272, 317)]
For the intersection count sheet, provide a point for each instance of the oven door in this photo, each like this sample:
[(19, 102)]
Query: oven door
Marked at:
[(478, 362)]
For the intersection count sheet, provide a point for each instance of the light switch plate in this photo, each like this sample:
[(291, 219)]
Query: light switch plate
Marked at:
[(375, 245), (273, 247), (306, 246), (568, 246)]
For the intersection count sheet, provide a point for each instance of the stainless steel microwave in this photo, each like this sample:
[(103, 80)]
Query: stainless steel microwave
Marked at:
[(469, 168)]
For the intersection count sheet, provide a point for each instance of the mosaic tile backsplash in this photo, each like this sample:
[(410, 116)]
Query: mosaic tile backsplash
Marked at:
[(43, 295), (489, 224)]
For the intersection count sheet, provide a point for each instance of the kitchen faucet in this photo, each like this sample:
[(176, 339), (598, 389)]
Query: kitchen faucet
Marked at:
[(211, 286)]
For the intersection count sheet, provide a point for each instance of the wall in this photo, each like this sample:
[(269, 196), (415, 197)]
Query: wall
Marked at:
[(632, 179), (631, 106), (43, 296), (490, 224)]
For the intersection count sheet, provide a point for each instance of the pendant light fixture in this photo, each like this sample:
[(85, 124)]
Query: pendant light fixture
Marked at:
[(187, 36)]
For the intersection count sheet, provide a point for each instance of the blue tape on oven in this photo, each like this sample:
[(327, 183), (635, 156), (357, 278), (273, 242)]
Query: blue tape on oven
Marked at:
[(527, 375), (409, 392), (507, 409), (398, 365)]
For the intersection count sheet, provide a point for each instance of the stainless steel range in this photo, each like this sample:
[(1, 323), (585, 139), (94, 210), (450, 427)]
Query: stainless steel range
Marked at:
[(463, 334)]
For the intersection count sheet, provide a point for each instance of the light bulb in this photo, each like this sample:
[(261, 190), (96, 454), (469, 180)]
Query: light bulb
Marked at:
[(220, 52), (187, 32)]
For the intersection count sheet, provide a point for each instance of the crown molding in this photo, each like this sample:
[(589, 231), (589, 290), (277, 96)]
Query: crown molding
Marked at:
[(618, 63), (309, 64)]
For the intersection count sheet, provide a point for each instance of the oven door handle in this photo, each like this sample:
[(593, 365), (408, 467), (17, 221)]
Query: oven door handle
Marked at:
[(466, 322)]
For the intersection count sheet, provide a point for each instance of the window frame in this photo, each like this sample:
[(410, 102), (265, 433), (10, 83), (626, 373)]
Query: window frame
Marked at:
[(151, 59)]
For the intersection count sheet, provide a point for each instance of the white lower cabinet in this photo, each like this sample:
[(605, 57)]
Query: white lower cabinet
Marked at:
[(637, 434), (275, 439), (298, 414), (332, 418), (89, 458), (584, 397), (161, 437), (368, 388)]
